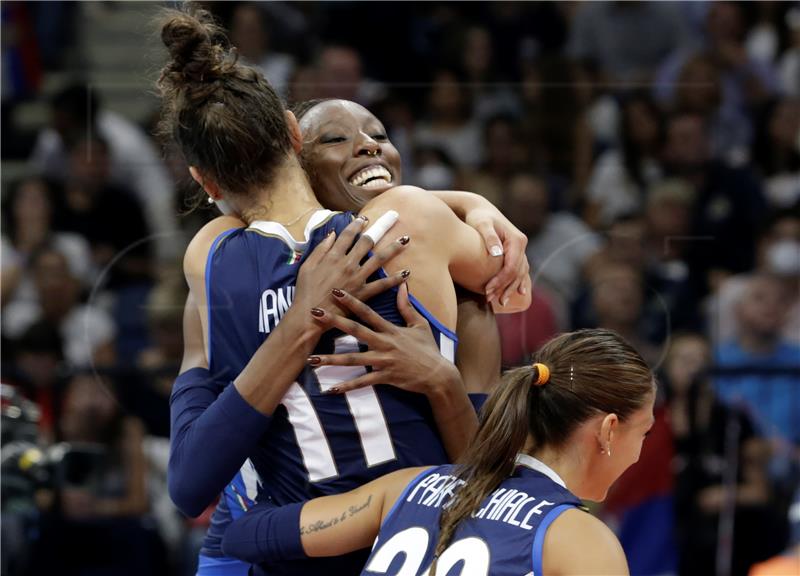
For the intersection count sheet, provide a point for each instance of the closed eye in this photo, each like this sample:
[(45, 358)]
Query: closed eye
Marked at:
[(332, 139)]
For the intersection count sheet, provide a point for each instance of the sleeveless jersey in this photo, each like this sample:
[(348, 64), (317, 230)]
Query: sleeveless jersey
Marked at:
[(316, 443), (503, 538)]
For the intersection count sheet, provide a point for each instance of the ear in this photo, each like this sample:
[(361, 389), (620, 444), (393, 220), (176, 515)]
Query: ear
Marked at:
[(607, 428), (207, 184), (295, 134)]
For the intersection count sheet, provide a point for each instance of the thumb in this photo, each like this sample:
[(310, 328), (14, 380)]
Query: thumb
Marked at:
[(490, 239)]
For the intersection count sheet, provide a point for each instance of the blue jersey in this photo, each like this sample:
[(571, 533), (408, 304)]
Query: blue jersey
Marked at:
[(504, 537), (317, 443)]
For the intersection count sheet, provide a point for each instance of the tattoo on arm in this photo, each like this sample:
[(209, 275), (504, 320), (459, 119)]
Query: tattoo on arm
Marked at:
[(320, 525)]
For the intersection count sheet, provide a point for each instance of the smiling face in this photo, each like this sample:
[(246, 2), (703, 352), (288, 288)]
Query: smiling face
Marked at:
[(347, 154)]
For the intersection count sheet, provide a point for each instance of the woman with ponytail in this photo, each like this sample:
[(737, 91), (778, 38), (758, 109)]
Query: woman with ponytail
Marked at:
[(552, 434)]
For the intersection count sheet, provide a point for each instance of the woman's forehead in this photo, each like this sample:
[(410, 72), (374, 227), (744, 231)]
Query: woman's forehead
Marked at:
[(339, 112)]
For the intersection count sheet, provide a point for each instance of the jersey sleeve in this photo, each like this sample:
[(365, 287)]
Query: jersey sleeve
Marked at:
[(212, 432)]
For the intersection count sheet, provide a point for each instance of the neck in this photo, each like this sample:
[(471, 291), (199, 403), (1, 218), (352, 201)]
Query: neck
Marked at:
[(287, 198), (565, 463)]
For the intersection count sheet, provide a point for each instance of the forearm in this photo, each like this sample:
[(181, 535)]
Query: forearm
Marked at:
[(454, 413), (212, 432), (274, 367), (459, 202)]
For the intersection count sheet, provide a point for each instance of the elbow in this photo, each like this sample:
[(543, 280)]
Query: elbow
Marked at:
[(185, 496), (234, 546), (516, 303)]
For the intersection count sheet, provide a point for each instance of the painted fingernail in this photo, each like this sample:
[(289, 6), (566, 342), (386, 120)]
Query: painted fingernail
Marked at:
[(338, 293), (504, 301), (334, 390), (523, 290), (405, 274), (331, 233), (404, 240), (317, 312), (363, 219), (314, 360), (496, 251)]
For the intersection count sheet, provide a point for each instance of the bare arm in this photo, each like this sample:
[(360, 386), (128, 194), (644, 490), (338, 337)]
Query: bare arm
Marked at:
[(478, 359), (578, 544), (334, 525)]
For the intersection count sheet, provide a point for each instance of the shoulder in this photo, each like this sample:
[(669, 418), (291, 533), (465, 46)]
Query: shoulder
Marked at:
[(194, 260), (579, 543), (416, 204)]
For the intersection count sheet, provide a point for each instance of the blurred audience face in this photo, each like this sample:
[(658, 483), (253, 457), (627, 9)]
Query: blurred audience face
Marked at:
[(446, 101), (669, 212), (304, 84), (762, 309), (617, 295), (55, 285), (527, 203), (477, 54), (626, 241), (687, 147), (347, 154), (503, 151), (339, 73), (725, 23), (699, 86), (641, 123), (89, 407), (249, 32), (688, 357), (779, 248), (90, 165)]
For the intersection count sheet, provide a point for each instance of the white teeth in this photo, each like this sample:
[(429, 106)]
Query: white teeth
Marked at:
[(378, 176)]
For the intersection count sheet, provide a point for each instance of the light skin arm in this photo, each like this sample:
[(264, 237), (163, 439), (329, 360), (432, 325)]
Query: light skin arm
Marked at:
[(578, 544), (335, 525), (478, 358), (499, 236)]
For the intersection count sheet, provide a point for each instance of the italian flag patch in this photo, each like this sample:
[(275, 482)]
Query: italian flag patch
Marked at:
[(294, 257)]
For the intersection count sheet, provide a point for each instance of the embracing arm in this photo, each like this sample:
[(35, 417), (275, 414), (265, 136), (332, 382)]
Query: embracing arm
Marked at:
[(327, 526)]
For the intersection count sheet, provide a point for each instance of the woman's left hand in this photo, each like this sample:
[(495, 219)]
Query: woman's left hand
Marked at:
[(403, 356), (501, 237)]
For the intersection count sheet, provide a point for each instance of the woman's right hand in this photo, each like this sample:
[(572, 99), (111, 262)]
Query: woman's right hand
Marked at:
[(337, 263)]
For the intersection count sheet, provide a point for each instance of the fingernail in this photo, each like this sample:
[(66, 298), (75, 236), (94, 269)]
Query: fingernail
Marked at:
[(405, 274), (496, 250), (331, 233), (338, 293), (314, 360), (363, 219), (403, 240), (523, 290), (317, 312), (504, 301), (334, 390)]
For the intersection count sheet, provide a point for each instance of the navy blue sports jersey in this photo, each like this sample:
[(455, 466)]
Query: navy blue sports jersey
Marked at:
[(503, 538), (317, 443)]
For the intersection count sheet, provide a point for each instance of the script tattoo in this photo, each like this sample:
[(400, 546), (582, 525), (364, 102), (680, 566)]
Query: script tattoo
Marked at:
[(320, 525)]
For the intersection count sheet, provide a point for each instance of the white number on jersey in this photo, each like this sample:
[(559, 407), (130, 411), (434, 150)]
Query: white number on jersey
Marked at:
[(413, 543), (364, 406)]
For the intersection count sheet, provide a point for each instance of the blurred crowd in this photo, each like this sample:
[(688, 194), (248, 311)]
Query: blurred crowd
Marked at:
[(649, 150)]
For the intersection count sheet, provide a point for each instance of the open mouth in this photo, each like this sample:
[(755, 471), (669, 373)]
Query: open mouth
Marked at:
[(374, 176)]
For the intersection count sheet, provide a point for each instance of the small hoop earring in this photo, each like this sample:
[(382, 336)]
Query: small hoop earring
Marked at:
[(210, 200)]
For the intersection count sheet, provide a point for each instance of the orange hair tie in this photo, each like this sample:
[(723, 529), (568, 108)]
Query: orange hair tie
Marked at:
[(544, 374)]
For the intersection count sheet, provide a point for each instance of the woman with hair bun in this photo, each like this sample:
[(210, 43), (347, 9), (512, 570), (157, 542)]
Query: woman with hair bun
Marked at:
[(283, 412), (552, 434)]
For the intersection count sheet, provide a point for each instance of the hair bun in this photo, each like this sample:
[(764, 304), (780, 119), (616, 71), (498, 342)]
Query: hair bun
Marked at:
[(197, 46)]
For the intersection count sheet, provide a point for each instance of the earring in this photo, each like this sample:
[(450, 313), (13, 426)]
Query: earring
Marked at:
[(210, 200)]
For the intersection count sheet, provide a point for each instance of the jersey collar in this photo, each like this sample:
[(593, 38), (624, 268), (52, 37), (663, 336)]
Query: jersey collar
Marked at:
[(530, 462)]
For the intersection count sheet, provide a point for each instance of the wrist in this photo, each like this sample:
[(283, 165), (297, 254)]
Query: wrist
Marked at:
[(446, 384)]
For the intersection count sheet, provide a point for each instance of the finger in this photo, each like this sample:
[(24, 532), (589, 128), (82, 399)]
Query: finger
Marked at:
[(384, 255), (410, 314), (368, 379), (491, 240), (372, 289), (509, 292), (382, 226), (347, 236), (362, 311), (368, 358), (514, 263), (321, 249), (358, 331)]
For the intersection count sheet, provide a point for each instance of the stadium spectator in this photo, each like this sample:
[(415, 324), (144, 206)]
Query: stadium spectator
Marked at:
[(776, 151), (75, 112)]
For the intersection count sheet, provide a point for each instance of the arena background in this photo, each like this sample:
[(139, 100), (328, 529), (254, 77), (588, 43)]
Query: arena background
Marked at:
[(650, 151)]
